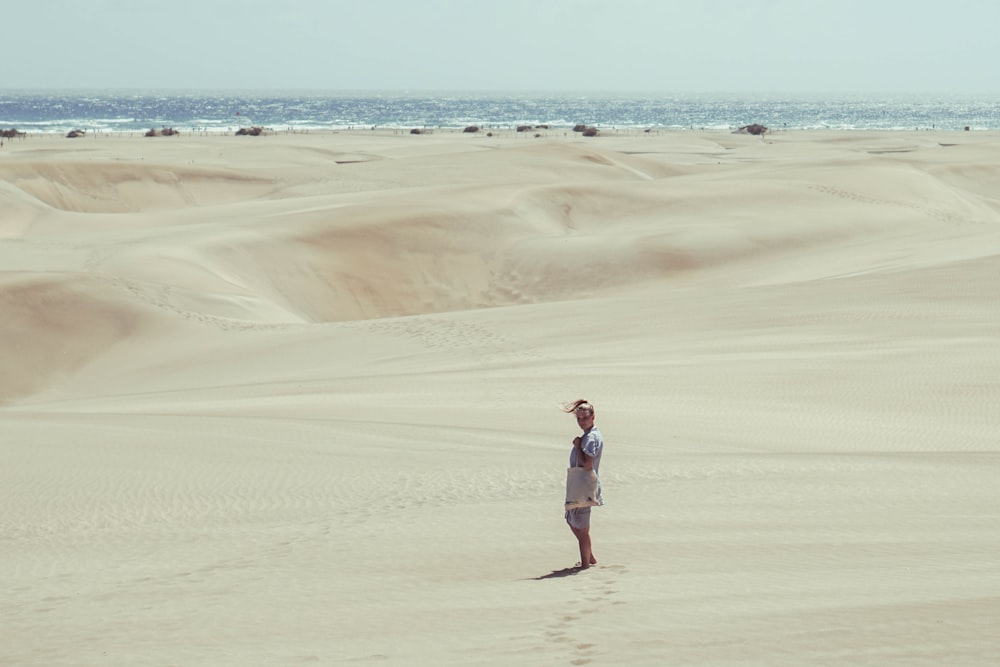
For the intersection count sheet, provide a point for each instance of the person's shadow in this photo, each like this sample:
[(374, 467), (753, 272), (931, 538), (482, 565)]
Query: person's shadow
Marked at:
[(558, 574)]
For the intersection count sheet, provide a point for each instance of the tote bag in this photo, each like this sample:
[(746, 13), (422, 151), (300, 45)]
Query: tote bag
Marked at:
[(581, 488)]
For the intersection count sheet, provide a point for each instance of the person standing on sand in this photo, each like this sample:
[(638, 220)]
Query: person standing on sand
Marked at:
[(586, 453)]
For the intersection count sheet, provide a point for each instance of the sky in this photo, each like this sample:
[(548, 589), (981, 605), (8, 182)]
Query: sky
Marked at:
[(791, 46)]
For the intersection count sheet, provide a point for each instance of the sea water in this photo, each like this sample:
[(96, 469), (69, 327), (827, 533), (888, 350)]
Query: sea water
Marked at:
[(135, 111)]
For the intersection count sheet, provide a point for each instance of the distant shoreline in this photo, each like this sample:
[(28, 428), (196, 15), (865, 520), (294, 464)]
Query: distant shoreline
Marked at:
[(119, 112), (484, 132)]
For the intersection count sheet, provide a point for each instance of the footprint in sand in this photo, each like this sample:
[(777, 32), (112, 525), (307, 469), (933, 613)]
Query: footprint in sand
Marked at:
[(584, 653)]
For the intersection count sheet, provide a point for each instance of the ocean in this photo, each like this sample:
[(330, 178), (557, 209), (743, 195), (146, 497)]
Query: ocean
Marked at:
[(137, 111)]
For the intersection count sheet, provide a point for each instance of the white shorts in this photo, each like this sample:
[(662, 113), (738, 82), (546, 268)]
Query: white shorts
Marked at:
[(578, 518)]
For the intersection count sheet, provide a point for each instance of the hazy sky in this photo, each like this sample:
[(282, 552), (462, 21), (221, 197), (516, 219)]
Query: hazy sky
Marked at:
[(506, 45)]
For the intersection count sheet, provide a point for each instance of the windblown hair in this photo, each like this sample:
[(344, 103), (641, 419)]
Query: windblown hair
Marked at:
[(577, 404)]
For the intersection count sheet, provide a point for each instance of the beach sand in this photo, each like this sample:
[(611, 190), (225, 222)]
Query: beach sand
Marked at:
[(294, 399)]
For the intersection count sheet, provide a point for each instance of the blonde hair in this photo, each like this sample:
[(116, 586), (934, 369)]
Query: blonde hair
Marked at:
[(579, 404)]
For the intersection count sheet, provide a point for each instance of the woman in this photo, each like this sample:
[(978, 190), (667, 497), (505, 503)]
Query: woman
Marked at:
[(586, 453)]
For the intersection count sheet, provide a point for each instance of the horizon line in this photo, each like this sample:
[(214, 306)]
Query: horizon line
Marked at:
[(479, 92)]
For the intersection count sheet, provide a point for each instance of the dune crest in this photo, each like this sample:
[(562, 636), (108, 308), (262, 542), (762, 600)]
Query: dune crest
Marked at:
[(105, 187)]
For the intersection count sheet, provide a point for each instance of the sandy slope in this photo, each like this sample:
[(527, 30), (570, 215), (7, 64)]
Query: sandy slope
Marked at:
[(292, 399)]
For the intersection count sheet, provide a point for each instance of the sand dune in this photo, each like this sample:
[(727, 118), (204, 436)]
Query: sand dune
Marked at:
[(294, 400), (106, 187)]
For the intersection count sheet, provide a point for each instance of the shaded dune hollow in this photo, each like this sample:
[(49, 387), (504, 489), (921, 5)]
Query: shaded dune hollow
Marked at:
[(414, 258), (54, 325), (470, 248)]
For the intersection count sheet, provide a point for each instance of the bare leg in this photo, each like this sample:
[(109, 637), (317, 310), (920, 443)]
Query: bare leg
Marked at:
[(586, 550)]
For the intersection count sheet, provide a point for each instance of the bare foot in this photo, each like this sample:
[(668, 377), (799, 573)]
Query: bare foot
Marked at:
[(593, 561)]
